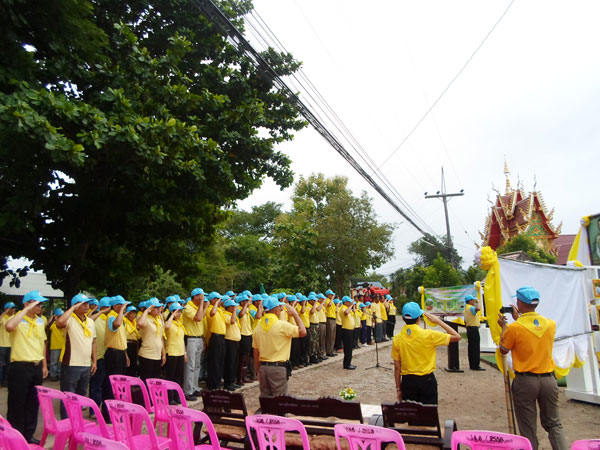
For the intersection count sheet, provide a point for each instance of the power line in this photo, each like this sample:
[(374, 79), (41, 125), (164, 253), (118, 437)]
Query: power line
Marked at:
[(414, 128)]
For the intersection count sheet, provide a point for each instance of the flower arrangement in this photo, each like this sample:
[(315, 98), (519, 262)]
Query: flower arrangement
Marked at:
[(348, 393)]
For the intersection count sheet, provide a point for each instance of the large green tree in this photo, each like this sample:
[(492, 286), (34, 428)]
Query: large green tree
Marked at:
[(125, 128), (528, 245), (345, 237), (427, 248)]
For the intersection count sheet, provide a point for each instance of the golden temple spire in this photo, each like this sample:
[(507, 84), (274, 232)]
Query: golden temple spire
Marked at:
[(509, 189)]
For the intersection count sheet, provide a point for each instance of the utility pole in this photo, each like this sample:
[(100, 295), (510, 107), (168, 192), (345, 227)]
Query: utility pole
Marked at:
[(444, 196)]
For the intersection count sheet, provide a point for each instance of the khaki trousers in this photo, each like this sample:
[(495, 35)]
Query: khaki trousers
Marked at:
[(273, 381), (530, 391), (322, 338), (330, 339)]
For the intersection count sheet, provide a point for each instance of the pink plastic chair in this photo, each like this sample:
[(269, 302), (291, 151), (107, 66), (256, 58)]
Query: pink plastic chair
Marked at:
[(270, 431), (94, 442), (586, 444), (75, 405), (363, 437), (123, 415), (122, 388), (181, 429), (485, 440), (159, 393), (11, 439), (61, 429)]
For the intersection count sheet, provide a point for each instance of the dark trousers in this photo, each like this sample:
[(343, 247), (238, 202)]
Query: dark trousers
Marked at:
[(473, 347), (149, 368), (115, 363), (97, 382), (391, 323), (4, 363), (215, 361), (232, 352), (304, 346), (295, 355), (23, 404), (132, 352), (74, 379), (355, 336), (338, 337), (174, 367), (378, 332), (420, 388), (363, 331), (369, 335), (347, 336)]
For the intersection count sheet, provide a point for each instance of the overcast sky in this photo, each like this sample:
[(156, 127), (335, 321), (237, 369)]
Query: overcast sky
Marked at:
[(531, 95)]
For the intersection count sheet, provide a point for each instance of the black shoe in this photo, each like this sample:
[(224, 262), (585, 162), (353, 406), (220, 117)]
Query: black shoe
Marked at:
[(324, 357), (350, 367), (331, 355), (197, 393), (481, 369), (34, 441), (235, 385), (230, 387), (191, 398), (314, 360), (173, 402)]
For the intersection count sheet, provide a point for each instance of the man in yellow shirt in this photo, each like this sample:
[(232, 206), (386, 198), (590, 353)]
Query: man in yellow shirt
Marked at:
[(27, 365), (472, 323), (246, 316), (57, 343), (9, 311), (79, 350), (347, 315), (215, 352), (175, 348), (330, 312), (272, 343), (97, 379), (133, 339), (233, 336), (193, 322), (313, 331), (530, 340), (391, 316), (322, 327), (151, 355), (414, 354)]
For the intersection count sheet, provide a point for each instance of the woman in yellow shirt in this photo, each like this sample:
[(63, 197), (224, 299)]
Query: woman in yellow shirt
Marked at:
[(133, 339), (233, 336), (57, 342), (175, 347), (151, 356)]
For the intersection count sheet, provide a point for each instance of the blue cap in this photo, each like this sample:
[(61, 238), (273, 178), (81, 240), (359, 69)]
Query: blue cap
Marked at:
[(154, 302), (361, 305), (337, 301), (175, 306), (247, 293), (242, 297), (291, 298), (329, 292), (345, 298), (130, 308), (368, 304), (388, 296), (34, 295), (104, 302), (528, 295), (9, 305), (468, 298), (299, 294), (312, 297), (319, 295), (58, 312), (264, 296), (170, 299), (118, 300), (271, 302), (79, 298), (257, 298), (229, 303), (411, 310), (224, 298), (94, 301), (312, 293), (196, 291), (213, 295), (230, 293)]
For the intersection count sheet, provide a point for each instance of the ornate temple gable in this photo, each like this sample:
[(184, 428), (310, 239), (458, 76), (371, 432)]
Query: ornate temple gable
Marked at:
[(515, 213)]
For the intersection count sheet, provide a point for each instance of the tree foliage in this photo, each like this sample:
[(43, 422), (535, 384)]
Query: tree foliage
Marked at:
[(427, 249), (125, 128), (529, 246)]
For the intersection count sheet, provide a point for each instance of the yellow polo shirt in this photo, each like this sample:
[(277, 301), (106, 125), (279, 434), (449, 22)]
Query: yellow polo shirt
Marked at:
[(246, 323), (338, 316), (303, 316), (100, 324), (383, 311), (376, 307), (369, 315), (322, 315), (28, 340), (314, 317), (175, 338), (152, 338), (80, 335), (471, 317), (192, 327), (57, 337), (4, 335), (330, 309), (530, 340), (233, 331), (347, 319), (216, 323), (131, 331), (415, 348), (393, 309), (273, 338), (115, 339), (357, 316)]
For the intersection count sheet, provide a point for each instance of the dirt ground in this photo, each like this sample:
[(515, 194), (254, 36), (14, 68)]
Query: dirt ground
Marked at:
[(475, 400)]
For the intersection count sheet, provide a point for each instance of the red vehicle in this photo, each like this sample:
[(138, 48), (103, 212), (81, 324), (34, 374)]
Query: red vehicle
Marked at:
[(369, 288)]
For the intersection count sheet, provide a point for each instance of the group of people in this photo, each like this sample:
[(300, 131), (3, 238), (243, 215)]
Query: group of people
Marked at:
[(233, 337)]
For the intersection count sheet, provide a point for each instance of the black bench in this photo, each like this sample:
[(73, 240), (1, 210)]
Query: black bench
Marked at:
[(227, 411), (422, 420)]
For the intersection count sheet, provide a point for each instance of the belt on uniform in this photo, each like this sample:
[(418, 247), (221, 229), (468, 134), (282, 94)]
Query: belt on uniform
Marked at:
[(278, 364), (194, 337), (27, 363), (531, 374)]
